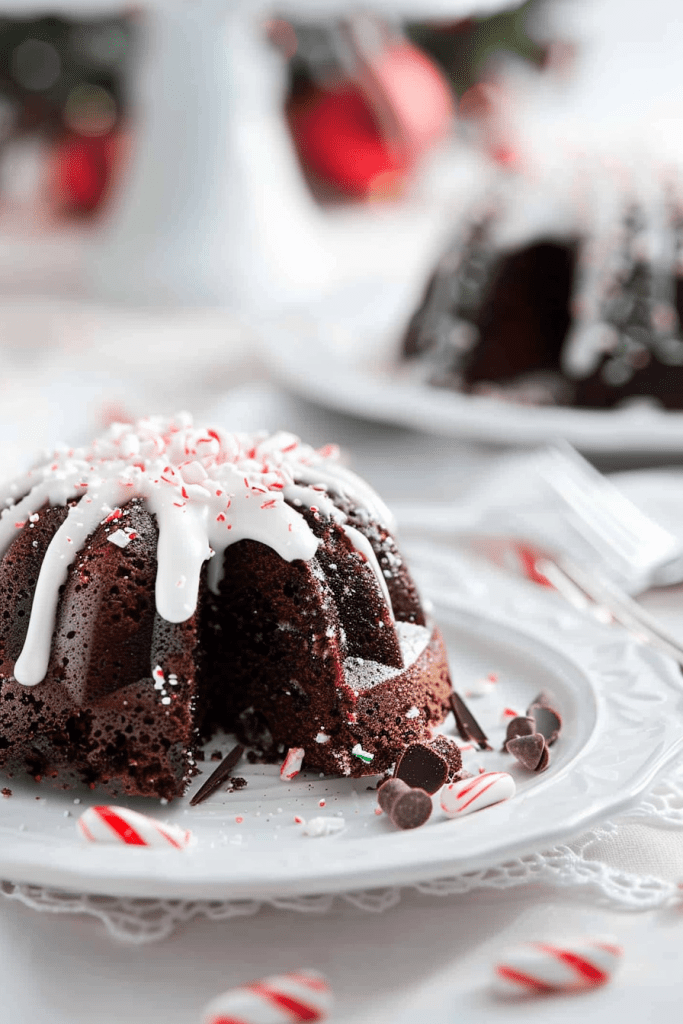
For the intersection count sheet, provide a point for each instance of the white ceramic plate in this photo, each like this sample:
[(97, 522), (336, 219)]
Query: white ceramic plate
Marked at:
[(622, 705), (344, 354)]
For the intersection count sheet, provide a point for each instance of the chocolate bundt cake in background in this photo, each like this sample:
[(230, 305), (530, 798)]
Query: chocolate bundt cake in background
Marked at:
[(170, 580), (559, 299)]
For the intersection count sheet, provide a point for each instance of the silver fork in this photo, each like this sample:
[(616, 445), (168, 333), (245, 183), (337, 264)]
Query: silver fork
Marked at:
[(624, 552), (574, 528)]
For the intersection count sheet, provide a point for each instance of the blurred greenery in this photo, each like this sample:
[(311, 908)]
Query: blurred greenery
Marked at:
[(464, 48)]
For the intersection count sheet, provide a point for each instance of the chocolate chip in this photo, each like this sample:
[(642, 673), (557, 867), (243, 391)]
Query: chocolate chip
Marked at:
[(544, 699), (450, 751), (548, 722), (467, 725), (405, 806), (422, 768), (519, 726), (531, 751)]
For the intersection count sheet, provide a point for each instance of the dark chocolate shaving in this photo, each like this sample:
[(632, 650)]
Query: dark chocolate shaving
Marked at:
[(422, 768), (466, 723), (219, 776), (519, 726), (405, 806), (531, 752)]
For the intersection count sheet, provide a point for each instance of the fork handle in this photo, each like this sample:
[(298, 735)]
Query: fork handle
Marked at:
[(622, 608)]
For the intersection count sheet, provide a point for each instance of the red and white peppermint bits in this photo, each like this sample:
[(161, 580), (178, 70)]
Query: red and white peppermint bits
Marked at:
[(542, 967), (472, 794), (282, 999), (120, 825), (291, 766)]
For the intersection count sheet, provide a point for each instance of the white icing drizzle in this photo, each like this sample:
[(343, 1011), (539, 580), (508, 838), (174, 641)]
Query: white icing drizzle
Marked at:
[(80, 522), (343, 481), (208, 489), (362, 545), (610, 250)]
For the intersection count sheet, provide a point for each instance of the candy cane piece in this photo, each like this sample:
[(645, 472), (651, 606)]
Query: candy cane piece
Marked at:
[(282, 999), (541, 967), (291, 765), (106, 824), (460, 798)]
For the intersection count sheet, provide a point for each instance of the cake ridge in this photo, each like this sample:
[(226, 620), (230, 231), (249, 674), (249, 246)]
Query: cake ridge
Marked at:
[(208, 489)]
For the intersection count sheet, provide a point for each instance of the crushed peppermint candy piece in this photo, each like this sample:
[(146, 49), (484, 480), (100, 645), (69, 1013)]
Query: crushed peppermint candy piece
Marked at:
[(508, 713), (323, 826), (362, 755), (413, 712), (122, 538), (291, 766), (322, 737), (483, 686)]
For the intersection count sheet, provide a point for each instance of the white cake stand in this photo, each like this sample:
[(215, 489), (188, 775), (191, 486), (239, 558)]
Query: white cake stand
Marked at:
[(213, 208)]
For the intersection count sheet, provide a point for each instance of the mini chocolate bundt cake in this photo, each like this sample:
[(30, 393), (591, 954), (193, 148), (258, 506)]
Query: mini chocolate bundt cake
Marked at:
[(569, 303), (170, 580)]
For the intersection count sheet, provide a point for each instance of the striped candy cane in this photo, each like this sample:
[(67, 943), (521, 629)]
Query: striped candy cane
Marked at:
[(471, 795), (120, 825), (282, 999), (538, 967)]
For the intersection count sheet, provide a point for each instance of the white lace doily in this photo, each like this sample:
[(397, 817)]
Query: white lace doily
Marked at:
[(577, 864)]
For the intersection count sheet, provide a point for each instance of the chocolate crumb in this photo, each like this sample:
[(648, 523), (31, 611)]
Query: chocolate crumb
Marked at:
[(467, 725), (531, 751), (219, 776), (6, 791), (519, 726), (238, 783), (420, 767), (405, 806), (450, 751), (216, 755)]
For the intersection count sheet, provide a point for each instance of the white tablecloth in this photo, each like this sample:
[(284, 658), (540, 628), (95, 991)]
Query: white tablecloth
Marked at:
[(428, 951)]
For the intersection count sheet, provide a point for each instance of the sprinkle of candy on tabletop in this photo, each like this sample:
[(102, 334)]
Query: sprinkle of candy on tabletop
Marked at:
[(281, 999), (537, 968)]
